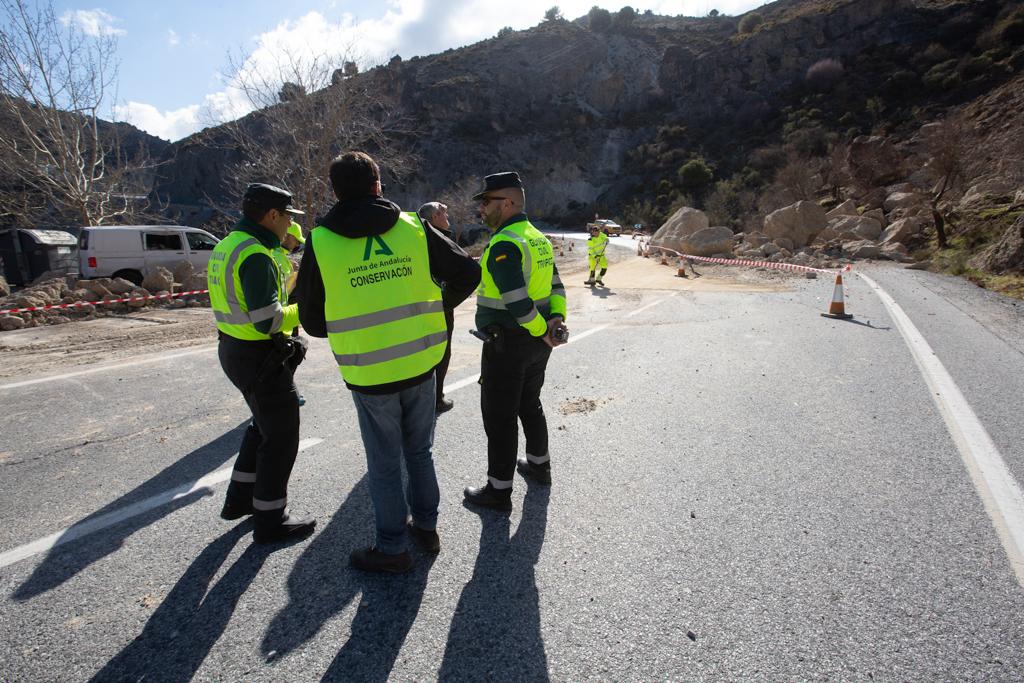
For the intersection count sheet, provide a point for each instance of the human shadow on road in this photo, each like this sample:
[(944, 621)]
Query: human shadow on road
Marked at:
[(184, 628), (496, 634), (73, 552), (322, 584), (602, 292)]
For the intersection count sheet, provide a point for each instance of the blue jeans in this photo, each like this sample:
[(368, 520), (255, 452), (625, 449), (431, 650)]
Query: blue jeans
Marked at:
[(394, 426)]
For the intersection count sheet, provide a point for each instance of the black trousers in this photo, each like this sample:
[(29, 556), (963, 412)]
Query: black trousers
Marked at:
[(271, 442), (442, 368), (511, 378)]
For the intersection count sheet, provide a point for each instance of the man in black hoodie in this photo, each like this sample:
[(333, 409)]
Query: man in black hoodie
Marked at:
[(370, 281)]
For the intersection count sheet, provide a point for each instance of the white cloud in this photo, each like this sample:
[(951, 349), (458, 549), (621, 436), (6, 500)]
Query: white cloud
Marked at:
[(170, 125), (92, 22), (408, 28), (172, 37)]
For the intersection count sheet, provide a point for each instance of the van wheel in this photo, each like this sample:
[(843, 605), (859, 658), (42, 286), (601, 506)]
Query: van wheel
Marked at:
[(132, 276)]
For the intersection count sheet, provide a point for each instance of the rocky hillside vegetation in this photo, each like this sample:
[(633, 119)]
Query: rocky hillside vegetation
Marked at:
[(896, 124)]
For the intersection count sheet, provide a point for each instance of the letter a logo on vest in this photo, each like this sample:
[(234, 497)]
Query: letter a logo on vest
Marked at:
[(384, 249)]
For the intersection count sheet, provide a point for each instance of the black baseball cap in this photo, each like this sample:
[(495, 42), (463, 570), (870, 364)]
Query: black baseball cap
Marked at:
[(499, 181), (270, 197)]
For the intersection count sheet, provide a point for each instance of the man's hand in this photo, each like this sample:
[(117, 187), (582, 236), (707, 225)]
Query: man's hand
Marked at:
[(555, 323)]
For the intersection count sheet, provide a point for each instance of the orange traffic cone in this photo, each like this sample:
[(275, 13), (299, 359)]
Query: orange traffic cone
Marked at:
[(664, 260), (639, 249), (837, 309), (681, 269), (570, 246)]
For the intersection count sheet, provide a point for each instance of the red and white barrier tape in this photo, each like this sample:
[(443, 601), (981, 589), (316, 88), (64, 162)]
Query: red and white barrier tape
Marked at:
[(756, 264), (81, 304)]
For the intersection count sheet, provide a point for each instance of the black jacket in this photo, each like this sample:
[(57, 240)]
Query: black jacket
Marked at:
[(451, 268)]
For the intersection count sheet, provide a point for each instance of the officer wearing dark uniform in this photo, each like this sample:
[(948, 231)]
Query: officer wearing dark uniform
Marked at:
[(248, 295), (521, 309)]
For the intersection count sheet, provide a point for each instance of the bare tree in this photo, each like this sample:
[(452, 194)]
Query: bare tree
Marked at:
[(462, 210), (951, 153), (55, 152), (309, 108), (798, 178)]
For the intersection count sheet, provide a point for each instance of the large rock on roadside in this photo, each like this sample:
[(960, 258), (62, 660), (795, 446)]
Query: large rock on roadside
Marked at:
[(120, 286), (861, 249), (894, 251), (1006, 255), (5, 289), (681, 224), (11, 322), (707, 242), (851, 227), (159, 279), (878, 215), (139, 292), (900, 231), (183, 271), (97, 288), (874, 160), (799, 222), (979, 193), (194, 282)]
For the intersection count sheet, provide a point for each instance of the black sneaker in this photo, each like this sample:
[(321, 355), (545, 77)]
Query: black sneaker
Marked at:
[(372, 560), (444, 405), (285, 528), (489, 497), (541, 475), (425, 540)]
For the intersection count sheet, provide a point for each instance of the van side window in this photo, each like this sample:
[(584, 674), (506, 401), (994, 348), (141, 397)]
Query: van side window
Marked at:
[(197, 241), (163, 240)]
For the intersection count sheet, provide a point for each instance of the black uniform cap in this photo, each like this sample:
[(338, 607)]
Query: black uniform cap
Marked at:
[(499, 181), (270, 197)]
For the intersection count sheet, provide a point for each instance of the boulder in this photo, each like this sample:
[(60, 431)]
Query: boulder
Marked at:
[(120, 286), (861, 249), (798, 222), (770, 249), (159, 279), (878, 215), (874, 160), (5, 289), (873, 199), (1006, 255), (194, 282), (682, 223), (895, 251), (979, 193), (902, 200), (97, 288), (707, 242), (900, 231), (861, 226), (139, 291), (11, 322), (183, 271), (784, 243), (847, 208)]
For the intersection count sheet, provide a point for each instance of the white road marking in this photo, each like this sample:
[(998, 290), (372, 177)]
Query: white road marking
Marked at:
[(999, 491), (90, 526), (104, 368)]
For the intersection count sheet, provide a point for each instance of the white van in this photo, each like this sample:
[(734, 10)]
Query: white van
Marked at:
[(131, 251)]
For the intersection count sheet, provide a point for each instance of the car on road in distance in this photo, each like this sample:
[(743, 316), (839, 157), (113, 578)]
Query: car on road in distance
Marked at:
[(607, 226)]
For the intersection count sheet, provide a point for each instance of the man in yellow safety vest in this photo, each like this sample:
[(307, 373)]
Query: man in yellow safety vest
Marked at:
[(370, 283)]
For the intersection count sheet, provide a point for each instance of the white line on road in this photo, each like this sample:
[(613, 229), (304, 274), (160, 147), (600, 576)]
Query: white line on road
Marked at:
[(89, 526), (118, 366), (999, 491)]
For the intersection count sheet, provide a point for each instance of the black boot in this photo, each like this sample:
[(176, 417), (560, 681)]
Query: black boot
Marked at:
[(236, 508), (489, 497), (541, 475), (281, 526)]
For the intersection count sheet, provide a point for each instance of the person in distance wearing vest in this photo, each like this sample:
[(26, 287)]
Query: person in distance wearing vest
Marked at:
[(289, 244), (369, 283), (520, 306), (597, 244), (248, 295), (436, 215)]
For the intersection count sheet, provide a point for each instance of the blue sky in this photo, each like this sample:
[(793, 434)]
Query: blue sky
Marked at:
[(174, 73)]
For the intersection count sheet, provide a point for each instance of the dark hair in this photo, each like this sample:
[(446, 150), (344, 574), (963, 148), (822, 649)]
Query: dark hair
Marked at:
[(354, 174), (254, 212)]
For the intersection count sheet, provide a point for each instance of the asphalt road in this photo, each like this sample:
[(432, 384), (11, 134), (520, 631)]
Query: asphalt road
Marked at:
[(743, 490)]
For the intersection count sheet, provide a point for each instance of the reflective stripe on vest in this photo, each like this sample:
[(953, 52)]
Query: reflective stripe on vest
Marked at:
[(226, 296), (384, 314), (538, 270)]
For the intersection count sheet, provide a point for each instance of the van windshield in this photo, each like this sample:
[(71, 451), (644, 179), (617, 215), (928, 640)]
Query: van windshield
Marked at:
[(163, 240)]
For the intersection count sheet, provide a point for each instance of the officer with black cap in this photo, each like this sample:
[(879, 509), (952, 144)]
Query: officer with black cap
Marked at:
[(249, 301), (520, 307)]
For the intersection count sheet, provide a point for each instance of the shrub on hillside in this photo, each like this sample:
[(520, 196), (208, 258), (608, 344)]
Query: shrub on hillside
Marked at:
[(824, 74), (599, 19), (695, 174), (973, 67), (624, 18), (750, 22), (942, 76)]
